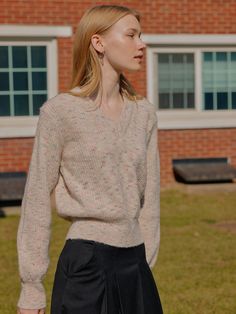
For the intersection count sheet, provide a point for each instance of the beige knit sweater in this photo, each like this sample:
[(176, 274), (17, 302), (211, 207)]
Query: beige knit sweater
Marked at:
[(106, 178)]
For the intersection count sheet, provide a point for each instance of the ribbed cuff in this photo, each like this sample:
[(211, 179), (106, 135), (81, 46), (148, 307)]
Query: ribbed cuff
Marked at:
[(152, 261), (32, 296)]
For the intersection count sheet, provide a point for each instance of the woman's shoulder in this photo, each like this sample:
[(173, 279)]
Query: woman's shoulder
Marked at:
[(147, 106), (61, 103)]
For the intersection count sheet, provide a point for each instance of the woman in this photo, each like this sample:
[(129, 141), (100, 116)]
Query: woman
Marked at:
[(96, 146)]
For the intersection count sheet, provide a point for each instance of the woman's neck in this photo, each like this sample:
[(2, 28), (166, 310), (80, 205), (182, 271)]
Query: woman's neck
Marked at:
[(109, 96)]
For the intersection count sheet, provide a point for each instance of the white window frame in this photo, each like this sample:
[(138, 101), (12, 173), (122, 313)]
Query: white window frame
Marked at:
[(21, 35), (187, 118)]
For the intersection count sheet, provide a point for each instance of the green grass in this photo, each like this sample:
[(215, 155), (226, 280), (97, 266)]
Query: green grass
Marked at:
[(195, 271)]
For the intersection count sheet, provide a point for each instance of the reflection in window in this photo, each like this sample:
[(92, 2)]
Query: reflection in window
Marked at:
[(219, 80), (39, 80), (233, 100), (38, 57), (20, 81), (38, 100), (4, 105), (3, 57), (19, 57), (4, 81), (21, 103), (176, 80)]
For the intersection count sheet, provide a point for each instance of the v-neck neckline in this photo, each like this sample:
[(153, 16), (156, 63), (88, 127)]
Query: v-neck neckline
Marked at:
[(118, 120), (114, 122)]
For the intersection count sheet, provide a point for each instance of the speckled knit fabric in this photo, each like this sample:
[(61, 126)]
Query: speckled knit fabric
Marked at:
[(106, 179)]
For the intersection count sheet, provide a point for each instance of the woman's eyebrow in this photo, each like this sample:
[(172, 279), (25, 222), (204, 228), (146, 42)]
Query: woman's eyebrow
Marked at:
[(134, 29)]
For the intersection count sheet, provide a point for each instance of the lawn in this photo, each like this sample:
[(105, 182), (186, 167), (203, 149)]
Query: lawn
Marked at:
[(195, 270)]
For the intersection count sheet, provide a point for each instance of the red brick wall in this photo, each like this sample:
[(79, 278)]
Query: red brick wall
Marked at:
[(158, 16), (175, 144), (15, 154)]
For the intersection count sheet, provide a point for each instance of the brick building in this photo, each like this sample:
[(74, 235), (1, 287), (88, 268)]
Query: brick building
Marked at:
[(189, 73)]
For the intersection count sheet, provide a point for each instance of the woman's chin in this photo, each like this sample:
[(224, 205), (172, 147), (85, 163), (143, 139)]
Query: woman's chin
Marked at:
[(134, 67)]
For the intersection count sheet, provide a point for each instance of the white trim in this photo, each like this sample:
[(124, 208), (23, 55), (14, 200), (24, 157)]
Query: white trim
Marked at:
[(189, 39), (192, 119), (52, 63), (25, 126), (198, 79), (150, 76), (187, 118), (16, 30), (18, 126)]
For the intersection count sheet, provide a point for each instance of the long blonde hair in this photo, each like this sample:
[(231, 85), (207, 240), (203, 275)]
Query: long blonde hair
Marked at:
[(86, 70)]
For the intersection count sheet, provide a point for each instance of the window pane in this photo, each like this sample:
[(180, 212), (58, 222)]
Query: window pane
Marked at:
[(178, 58), (234, 100), (208, 56), (164, 101), (208, 101), (3, 57), (222, 101), (221, 56), (189, 58), (39, 80), (4, 105), (178, 100), (38, 56), (176, 80), (190, 100), (219, 80), (163, 58), (21, 103), (20, 81), (38, 100), (19, 54), (233, 56), (4, 81)]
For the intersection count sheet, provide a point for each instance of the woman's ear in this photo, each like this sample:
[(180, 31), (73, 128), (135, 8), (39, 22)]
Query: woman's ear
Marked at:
[(97, 43)]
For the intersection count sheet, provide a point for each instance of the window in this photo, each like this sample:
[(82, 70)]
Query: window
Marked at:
[(23, 79), (176, 80), (191, 79), (176, 84), (28, 74), (219, 80), (28, 77)]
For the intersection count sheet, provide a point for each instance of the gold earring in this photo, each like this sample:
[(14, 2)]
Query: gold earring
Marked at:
[(101, 56)]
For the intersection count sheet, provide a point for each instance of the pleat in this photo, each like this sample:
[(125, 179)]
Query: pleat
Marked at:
[(111, 296), (121, 307), (104, 280), (137, 290), (129, 287), (151, 298)]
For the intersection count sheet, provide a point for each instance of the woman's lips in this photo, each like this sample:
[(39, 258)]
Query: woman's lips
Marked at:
[(139, 58)]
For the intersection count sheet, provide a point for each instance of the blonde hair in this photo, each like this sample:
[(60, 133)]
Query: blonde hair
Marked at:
[(86, 70)]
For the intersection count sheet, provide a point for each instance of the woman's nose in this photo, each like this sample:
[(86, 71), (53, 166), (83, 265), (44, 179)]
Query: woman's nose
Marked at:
[(142, 44)]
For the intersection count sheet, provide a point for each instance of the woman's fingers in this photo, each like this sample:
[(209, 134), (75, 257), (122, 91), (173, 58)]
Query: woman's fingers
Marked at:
[(26, 311)]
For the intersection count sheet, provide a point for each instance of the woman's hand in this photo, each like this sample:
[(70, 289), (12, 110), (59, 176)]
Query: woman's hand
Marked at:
[(25, 311)]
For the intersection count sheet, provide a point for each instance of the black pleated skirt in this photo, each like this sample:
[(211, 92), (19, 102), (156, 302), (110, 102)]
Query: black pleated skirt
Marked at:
[(96, 278)]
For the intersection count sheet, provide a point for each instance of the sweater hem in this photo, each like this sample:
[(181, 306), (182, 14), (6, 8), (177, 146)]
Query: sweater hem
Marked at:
[(126, 234)]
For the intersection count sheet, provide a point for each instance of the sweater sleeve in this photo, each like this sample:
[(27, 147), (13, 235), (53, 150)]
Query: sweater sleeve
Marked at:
[(34, 229), (149, 218)]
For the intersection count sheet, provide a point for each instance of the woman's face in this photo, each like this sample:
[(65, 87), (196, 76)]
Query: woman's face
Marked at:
[(123, 46)]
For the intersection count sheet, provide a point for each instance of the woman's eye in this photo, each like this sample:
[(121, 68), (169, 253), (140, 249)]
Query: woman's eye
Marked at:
[(131, 35)]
